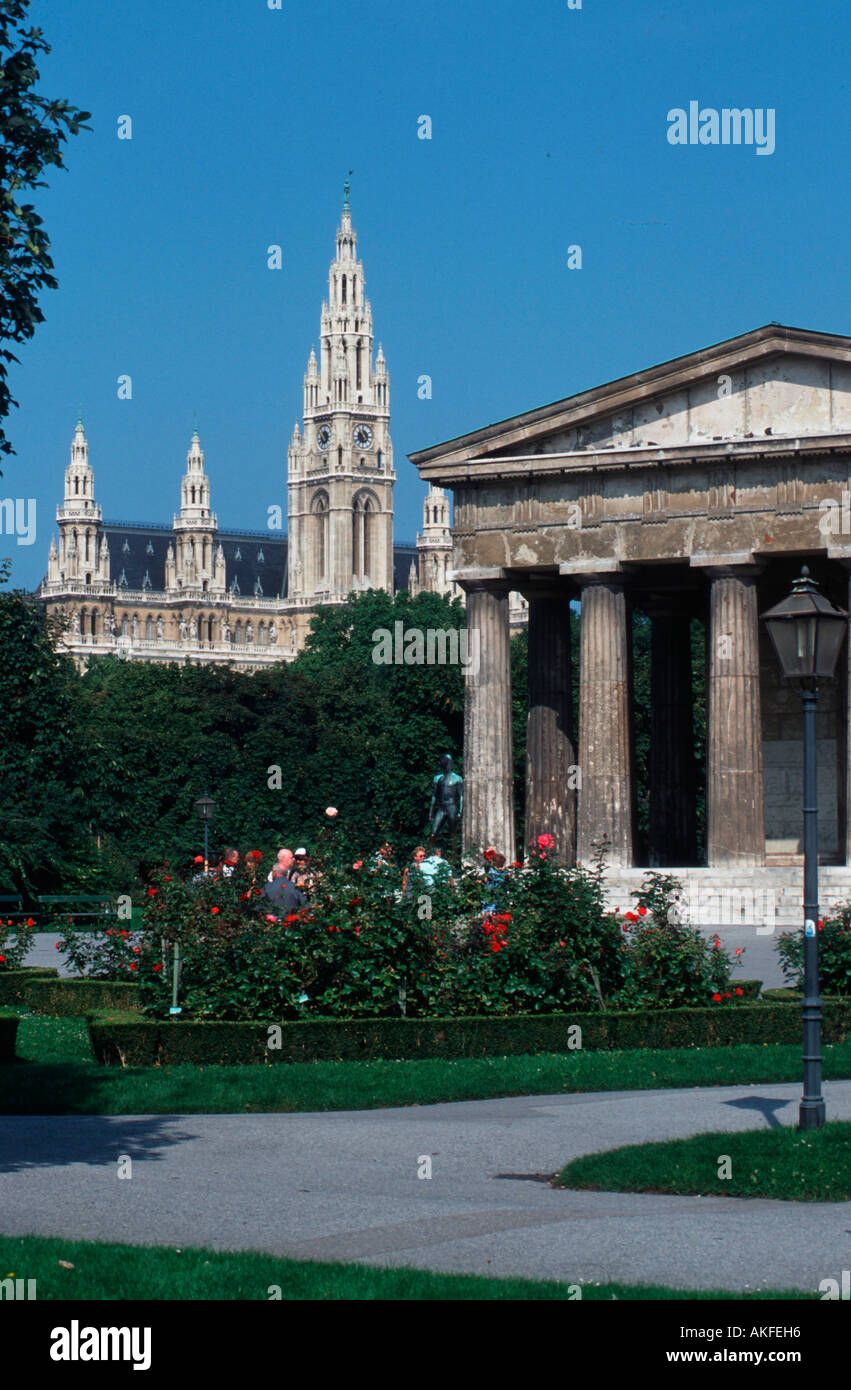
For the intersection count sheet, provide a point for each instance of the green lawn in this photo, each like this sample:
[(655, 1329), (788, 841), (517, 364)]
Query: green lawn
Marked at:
[(58, 1076), (102, 1271), (779, 1163)]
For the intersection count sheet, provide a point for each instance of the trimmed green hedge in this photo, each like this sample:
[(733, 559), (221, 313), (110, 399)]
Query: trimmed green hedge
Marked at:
[(14, 982), (8, 1029), (144, 1042), (67, 997), (783, 995)]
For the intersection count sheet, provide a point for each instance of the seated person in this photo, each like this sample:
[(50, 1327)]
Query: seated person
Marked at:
[(302, 875), (283, 895), (435, 869), (230, 859)]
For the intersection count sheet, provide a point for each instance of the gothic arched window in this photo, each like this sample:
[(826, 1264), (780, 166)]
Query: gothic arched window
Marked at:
[(319, 509)]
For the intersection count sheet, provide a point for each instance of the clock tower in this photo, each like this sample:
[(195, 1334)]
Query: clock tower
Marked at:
[(340, 469)]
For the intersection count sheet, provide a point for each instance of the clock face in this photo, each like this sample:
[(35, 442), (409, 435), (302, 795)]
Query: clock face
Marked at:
[(323, 436), (363, 436)]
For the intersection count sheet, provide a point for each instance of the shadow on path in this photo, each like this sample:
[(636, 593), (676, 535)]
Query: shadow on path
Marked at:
[(764, 1106), (49, 1141)]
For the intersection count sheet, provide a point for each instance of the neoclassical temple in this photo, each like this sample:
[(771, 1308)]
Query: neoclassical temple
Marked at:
[(692, 491)]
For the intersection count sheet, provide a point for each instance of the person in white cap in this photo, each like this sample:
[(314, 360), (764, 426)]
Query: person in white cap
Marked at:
[(301, 875)]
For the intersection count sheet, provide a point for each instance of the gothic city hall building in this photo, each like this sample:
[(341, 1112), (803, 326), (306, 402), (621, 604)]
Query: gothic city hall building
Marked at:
[(192, 590), (690, 492)]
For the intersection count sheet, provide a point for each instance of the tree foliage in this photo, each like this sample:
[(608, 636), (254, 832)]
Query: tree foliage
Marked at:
[(33, 129)]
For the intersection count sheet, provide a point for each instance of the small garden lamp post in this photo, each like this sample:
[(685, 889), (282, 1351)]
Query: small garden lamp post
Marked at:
[(807, 634), (205, 806)]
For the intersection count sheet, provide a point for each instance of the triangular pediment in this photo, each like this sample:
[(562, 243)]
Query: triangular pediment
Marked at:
[(774, 381)]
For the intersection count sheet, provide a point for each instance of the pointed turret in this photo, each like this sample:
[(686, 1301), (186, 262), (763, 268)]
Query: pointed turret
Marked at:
[(195, 527), (79, 519)]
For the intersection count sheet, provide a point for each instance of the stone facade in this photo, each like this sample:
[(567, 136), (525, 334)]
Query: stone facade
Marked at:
[(692, 491)]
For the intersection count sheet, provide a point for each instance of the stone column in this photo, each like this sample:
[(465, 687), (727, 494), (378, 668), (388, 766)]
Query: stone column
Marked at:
[(605, 735), (735, 813), (672, 838), (488, 817), (551, 765)]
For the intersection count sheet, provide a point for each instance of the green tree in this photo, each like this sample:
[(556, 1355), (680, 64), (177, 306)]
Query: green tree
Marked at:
[(33, 129), (42, 803)]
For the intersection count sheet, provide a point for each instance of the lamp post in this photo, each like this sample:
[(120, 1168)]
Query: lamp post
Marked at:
[(205, 806), (807, 634)]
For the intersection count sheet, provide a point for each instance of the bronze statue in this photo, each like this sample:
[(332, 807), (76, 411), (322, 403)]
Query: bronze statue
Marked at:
[(447, 799)]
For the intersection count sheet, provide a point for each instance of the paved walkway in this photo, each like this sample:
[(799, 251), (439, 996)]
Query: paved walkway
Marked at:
[(344, 1186)]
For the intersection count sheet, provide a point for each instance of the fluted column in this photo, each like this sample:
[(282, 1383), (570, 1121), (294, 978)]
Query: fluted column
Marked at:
[(551, 767), (605, 735), (735, 812), (672, 838), (488, 817)]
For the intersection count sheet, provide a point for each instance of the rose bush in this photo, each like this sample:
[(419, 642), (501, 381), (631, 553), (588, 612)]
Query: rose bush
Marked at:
[(16, 938), (537, 942), (834, 954), (667, 962)]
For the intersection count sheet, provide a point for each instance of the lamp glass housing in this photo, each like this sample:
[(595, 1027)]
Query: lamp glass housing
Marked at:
[(806, 632)]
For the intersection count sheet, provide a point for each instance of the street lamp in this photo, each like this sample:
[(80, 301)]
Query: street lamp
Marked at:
[(807, 633), (205, 806)]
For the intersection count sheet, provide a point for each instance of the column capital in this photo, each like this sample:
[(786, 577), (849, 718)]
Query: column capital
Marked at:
[(552, 586), (740, 564), (493, 580)]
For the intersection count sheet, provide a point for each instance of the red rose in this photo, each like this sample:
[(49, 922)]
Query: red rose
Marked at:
[(109, 931), (727, 995), (642, 911), (561, 943), (137, 950), (255, 854), (3, 960), (214, 910), (152, 892), (270, 917), (157, 967), (738, 991), (820, 922), (124, 933), (353, 902), (631, 917), (293, 917), (168, 878), (358, 864), (625, 927), (717, 998), (199, 859), (30, 922), (134, 966)]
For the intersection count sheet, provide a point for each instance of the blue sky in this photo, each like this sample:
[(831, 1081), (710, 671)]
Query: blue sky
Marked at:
[(549, 130)]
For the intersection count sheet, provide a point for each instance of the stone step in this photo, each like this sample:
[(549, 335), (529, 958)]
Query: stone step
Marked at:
[(748, 897)]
